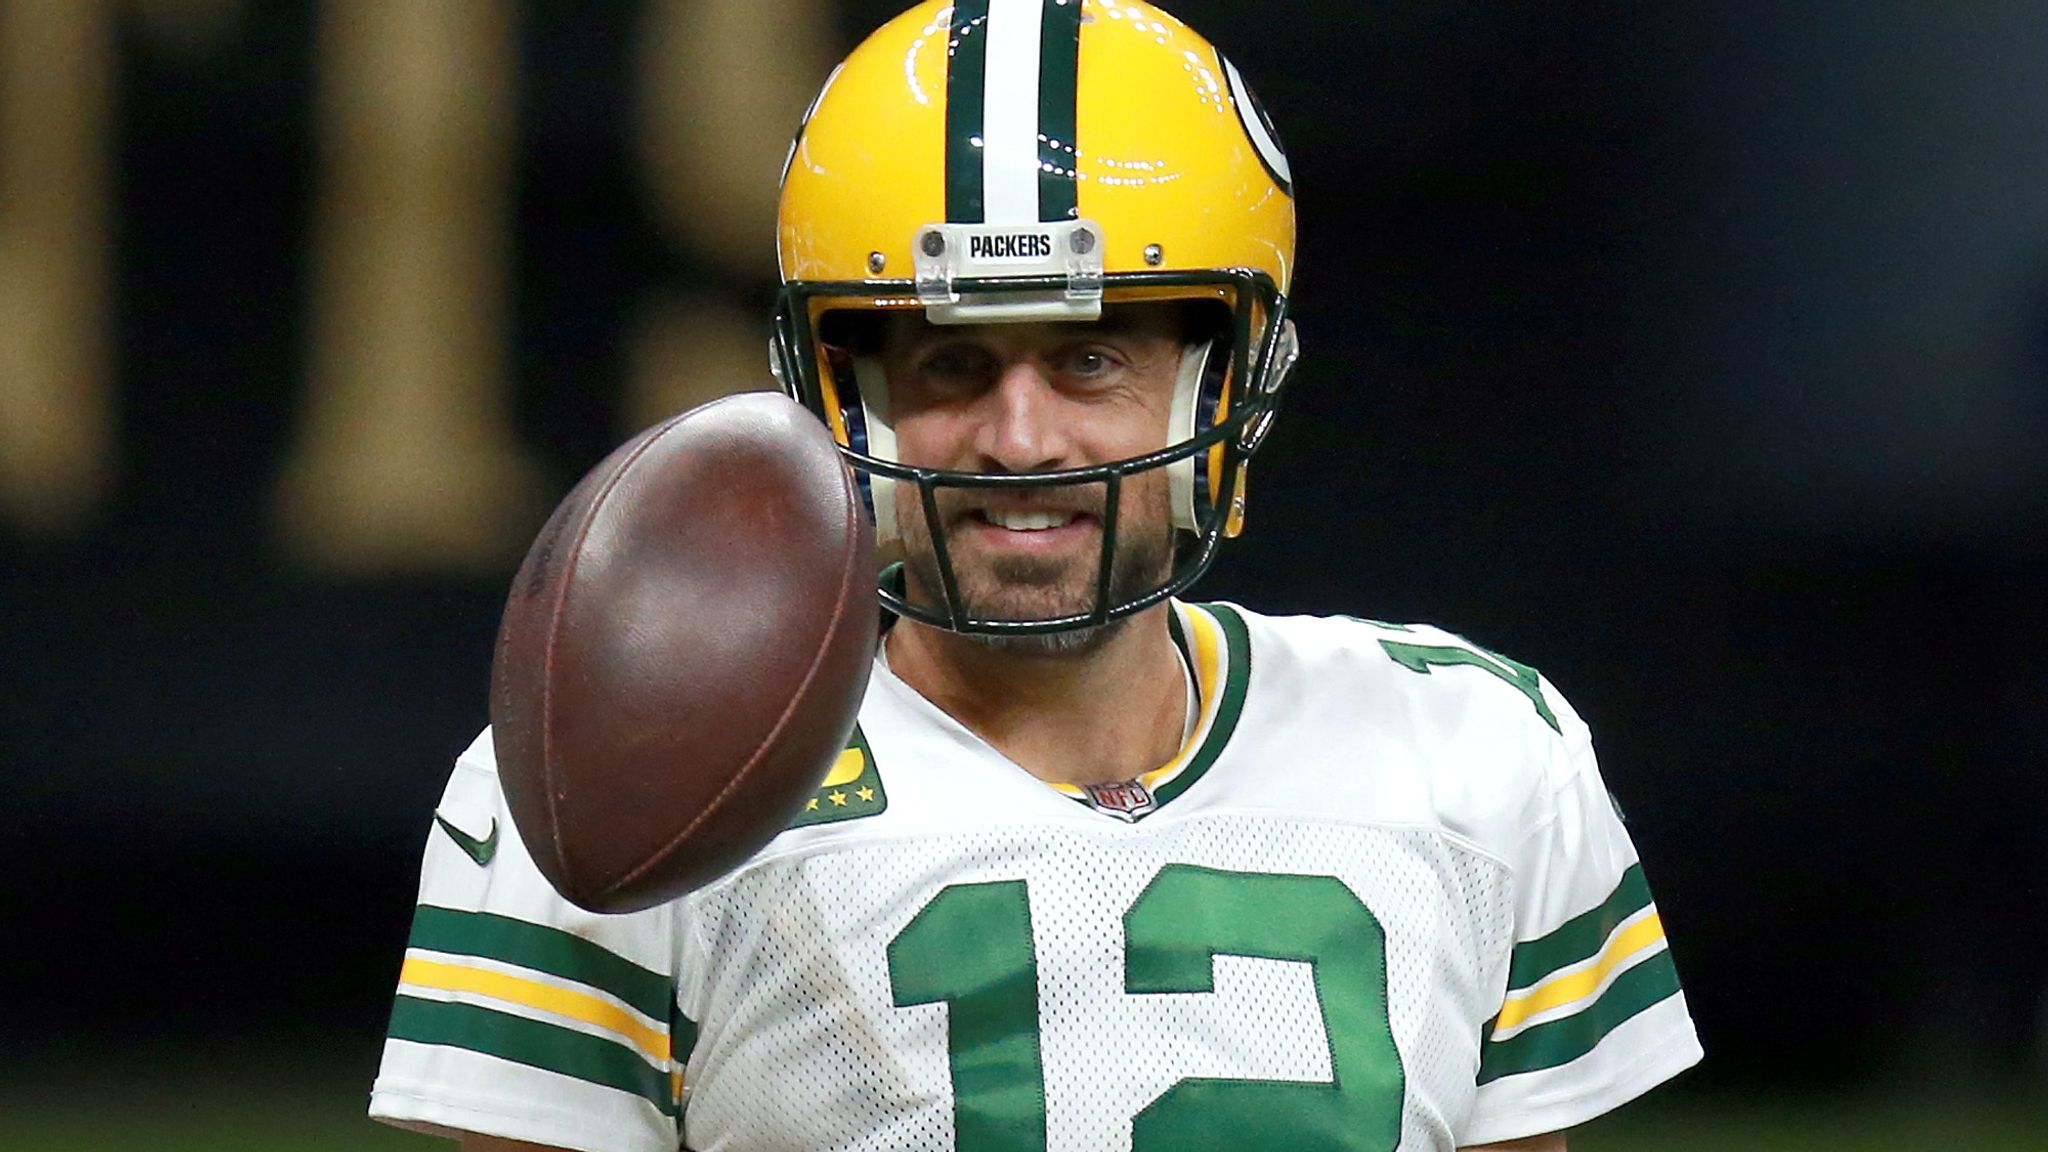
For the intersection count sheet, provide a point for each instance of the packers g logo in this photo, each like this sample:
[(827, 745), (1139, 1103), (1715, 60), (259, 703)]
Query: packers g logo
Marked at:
[(1258, 127), (796, 141)]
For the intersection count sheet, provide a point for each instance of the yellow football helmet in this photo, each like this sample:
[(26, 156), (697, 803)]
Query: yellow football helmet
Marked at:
[(1021, 160)]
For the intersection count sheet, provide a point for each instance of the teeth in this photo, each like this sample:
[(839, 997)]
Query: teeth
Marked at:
[(1029, 521)]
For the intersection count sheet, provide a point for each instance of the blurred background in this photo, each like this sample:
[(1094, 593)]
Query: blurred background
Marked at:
[(1694, 353)]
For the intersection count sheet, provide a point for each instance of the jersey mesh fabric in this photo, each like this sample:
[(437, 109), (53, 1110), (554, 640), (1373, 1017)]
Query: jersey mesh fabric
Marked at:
[(802, 1045), (1451, 795)]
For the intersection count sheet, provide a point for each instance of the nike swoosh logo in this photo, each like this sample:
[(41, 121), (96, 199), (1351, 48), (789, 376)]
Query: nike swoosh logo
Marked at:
[(480, 851)]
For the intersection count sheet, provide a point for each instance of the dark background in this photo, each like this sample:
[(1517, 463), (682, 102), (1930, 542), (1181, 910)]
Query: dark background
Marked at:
[(1694, 353)]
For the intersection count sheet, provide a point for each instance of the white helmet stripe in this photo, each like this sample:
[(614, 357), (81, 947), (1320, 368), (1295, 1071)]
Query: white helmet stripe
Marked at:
[(1009, 112)]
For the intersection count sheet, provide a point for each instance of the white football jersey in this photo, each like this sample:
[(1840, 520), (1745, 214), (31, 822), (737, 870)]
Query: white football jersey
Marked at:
[(1380, 900)]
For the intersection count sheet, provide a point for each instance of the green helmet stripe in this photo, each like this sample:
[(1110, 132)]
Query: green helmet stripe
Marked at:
[(966, 76), (1059, 56)]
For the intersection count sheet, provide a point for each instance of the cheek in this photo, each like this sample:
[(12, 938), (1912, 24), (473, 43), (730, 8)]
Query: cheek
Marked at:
[(1149, 423), (909, 510), (1133, 424), (927, 440), (1147, 499)]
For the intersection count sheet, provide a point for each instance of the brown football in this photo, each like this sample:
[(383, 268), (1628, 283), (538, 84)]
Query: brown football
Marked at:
[(683, 652)]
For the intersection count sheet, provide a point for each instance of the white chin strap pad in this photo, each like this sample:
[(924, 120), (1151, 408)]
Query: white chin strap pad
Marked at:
[(1180, 475), (873, 387)]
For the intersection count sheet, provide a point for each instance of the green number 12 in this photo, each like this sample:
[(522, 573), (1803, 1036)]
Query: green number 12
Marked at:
[(971, 948)]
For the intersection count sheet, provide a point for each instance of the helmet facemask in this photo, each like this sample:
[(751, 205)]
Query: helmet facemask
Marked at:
[(1226, 391)]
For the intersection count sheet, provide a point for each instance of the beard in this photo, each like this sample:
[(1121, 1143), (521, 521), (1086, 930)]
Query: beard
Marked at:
[(1042, 587)]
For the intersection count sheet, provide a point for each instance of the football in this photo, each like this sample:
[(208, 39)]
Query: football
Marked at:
[(683, 652)]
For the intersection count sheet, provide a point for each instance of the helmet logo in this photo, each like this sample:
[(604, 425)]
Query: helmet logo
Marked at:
[(796, 141), (1259, 128)]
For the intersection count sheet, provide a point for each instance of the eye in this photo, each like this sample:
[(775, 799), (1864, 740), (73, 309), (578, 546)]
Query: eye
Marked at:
[(1090, 363)]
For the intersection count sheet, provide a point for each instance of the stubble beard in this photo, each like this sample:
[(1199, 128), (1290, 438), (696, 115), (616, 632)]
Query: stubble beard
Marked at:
[(1040, 588)]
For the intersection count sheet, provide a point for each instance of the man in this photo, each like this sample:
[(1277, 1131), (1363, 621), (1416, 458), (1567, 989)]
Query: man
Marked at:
[(1105, 869)]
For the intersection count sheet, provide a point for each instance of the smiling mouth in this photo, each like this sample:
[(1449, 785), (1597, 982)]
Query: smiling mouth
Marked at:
[(1028, 520)]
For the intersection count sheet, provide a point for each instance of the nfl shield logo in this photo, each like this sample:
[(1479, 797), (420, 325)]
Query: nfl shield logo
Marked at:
[(1126, 801)]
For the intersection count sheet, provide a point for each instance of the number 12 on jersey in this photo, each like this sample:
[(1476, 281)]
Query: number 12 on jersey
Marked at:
[(971, 948)]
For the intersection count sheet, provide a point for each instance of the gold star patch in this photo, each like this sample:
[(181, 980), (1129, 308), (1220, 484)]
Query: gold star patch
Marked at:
[(852, 788)]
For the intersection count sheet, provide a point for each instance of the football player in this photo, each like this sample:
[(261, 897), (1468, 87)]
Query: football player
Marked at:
[(1102, 868)]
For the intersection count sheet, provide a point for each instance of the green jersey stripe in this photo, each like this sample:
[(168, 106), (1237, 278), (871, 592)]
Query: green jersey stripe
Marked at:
[(1237, 649), (1564, 1040), (1581, 937), (683, 1037), (533, 1043), (1059, 56), (542, 949), (966, 72)]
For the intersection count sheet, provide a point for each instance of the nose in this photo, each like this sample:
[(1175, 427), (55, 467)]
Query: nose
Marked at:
[(1023, 431)]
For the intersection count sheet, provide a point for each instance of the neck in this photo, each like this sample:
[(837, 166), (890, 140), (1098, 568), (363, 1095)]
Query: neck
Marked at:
[(1099, 716)]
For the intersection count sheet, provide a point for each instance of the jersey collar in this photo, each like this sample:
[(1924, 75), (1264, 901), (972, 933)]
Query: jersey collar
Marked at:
[(1215, 644)]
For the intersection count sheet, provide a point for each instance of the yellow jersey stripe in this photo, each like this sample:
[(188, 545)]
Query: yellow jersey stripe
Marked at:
[(1626, 944), (652, 1042)]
